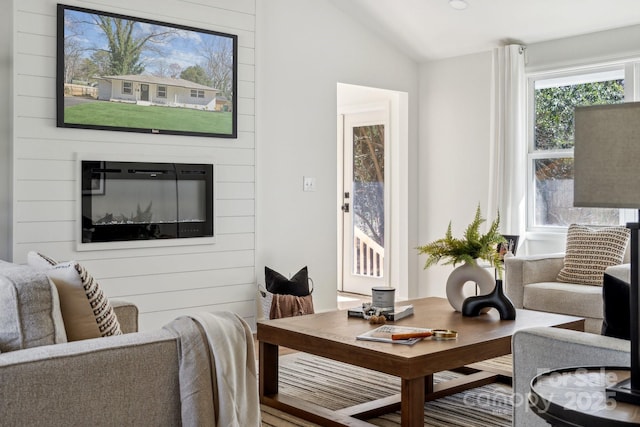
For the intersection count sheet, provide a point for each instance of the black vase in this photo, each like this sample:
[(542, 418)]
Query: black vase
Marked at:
[(497, 299)]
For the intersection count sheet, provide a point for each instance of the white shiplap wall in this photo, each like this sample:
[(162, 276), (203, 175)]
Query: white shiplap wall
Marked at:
[(163, 281)]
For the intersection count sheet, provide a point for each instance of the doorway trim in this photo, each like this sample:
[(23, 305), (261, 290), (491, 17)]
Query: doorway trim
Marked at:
[(371, 114), (352, 98)]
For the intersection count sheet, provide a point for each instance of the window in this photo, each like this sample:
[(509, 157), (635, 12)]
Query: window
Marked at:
[(551, 132), (162, 92), (127, 88), (197, 93)]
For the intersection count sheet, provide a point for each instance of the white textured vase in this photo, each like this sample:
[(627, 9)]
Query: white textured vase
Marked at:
[(468, 272)]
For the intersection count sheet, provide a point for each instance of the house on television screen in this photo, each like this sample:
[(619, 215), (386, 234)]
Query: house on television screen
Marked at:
[(164, 91)]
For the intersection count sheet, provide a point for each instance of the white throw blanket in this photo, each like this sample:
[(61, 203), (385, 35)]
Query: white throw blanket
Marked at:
[(224, 371)]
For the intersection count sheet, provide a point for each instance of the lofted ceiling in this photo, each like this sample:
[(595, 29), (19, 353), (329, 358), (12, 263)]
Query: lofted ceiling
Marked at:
[(431, 29)]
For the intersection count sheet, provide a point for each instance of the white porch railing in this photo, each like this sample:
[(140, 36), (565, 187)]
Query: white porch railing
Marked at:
[(368, 255)]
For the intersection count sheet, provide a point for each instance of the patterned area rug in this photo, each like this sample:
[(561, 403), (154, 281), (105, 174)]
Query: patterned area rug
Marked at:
[(337, 385)]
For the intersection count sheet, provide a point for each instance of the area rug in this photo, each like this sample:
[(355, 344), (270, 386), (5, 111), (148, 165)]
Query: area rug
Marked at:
[(337, 385)]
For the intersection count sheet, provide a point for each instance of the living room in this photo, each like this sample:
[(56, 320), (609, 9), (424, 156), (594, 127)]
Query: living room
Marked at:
[(293, 56), (289, 68)]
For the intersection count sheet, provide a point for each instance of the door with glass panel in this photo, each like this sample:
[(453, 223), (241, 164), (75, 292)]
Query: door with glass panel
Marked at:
[(365, 196)]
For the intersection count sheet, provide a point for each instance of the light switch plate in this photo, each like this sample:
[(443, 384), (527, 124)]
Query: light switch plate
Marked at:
[(308, 183)]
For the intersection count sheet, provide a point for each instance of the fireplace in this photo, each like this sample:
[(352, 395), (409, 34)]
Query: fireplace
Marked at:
[(124, 201)]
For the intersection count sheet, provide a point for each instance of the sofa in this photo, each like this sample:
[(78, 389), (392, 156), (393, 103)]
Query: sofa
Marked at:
[(537, 350), (168, 376)]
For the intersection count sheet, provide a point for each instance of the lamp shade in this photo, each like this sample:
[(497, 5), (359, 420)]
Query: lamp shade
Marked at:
[(607, 156)]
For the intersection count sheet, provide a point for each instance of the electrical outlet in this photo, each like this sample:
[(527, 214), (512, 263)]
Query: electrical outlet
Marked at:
[(308, 183)]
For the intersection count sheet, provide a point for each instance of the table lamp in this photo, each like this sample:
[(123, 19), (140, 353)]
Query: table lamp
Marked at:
[(607, 175)]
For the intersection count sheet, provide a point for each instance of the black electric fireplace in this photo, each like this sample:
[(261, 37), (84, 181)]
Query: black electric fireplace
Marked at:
[(124, 201)]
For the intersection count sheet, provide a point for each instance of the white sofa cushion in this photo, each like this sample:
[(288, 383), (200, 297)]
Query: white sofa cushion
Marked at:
[(566, 298), (29, 309)]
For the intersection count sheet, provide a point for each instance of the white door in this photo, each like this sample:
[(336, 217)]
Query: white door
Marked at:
[(365, 201)]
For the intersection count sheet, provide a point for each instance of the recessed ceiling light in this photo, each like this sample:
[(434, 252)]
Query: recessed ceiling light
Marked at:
[(458, 4)]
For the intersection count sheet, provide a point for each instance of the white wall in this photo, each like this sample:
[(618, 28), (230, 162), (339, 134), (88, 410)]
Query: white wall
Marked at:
[(587, 49), (6, 37), (455, 107), (304, 48), (163, 281)]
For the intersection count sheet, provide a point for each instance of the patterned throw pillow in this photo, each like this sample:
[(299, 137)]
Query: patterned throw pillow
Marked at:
[(86, 310), (590, 251)]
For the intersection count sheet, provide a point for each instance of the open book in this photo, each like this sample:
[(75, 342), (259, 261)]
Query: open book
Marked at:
[(383, 334)]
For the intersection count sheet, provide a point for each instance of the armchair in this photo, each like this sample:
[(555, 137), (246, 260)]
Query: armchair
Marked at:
[(531, 283), (538, 350)]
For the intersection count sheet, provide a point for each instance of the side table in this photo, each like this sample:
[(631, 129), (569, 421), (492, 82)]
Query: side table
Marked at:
[(570, 397)]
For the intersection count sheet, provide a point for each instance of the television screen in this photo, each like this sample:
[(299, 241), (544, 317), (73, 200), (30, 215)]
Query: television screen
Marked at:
[(117, 72)]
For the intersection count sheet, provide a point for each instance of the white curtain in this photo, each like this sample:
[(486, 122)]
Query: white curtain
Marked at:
[(507, 193)]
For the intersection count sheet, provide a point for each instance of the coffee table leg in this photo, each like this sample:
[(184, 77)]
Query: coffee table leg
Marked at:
[(268, 370), (428, 384), (412, 404)]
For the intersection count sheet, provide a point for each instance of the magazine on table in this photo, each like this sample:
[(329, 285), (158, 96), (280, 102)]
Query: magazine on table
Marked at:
[(393, 334)]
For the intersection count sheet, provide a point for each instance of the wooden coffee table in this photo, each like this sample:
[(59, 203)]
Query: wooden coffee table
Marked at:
[(333, 335)]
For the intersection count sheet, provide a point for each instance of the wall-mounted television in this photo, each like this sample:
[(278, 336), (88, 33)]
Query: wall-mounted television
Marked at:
[(123, 73)]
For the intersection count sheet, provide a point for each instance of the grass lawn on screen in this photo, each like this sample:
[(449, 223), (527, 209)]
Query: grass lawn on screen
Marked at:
[(102, 113)]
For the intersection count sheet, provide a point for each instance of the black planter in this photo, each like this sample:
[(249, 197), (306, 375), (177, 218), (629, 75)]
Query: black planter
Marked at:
[(497, 299)]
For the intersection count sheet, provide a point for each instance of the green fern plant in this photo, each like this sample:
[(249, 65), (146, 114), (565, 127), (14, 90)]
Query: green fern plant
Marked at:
[(472, 246)]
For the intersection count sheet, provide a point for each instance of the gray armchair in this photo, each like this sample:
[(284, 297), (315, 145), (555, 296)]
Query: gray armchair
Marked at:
[(530, 282), (537, 350)]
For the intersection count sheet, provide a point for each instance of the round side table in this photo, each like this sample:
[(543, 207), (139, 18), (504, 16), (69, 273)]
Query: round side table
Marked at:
[(570, 397)]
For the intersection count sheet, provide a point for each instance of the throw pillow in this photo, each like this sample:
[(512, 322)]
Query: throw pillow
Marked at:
[(29, 309), (590, 251), (276, 283), (615, 300), (40, 261), (86, 310)]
